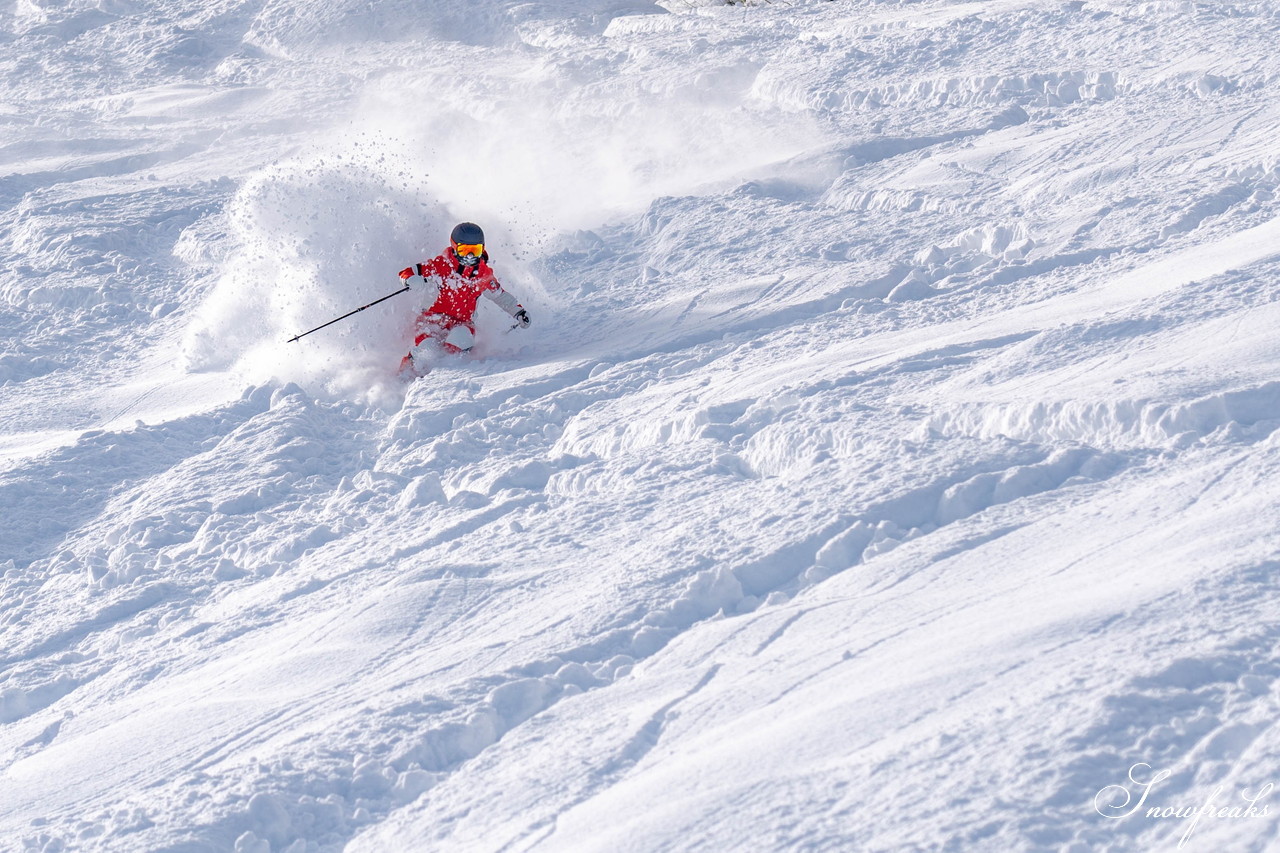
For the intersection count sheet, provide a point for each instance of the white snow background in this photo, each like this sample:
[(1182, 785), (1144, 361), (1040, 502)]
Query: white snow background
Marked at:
[(893, 462)]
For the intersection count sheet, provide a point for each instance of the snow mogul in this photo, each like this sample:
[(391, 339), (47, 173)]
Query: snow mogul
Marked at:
[(455, 280)]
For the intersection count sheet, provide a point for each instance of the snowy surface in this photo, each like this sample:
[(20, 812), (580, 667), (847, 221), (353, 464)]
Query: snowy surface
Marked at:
[(892, 463)]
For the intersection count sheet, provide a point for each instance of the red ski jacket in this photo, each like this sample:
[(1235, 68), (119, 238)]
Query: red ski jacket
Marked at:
[(460, 287)]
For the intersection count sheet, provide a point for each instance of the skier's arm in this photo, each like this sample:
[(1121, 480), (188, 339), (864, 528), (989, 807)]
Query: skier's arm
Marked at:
[(508, 303), (430, 281)]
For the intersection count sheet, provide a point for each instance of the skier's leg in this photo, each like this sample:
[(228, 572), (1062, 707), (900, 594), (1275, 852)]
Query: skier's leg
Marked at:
[(428, 342), (459, 338)]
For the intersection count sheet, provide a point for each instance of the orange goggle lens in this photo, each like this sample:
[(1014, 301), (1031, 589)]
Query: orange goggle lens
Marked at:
[(465, 249)]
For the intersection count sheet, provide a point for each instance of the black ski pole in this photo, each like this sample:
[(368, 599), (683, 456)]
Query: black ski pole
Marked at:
[(348, 314)]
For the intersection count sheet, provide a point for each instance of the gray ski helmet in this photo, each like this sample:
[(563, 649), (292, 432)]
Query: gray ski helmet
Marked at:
[(466, 233)]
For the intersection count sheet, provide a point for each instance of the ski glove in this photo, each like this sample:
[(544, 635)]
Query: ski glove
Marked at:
[(522, 317)]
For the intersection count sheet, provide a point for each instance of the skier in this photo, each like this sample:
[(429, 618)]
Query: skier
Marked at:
[(455, 280)]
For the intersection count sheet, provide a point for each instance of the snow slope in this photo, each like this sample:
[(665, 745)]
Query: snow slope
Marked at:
[(891, 464)]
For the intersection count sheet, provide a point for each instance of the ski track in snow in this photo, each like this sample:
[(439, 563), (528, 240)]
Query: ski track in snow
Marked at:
[(890, 464)]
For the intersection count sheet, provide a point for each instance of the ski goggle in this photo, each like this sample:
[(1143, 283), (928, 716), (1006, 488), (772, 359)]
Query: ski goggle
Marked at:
[(469, 249)]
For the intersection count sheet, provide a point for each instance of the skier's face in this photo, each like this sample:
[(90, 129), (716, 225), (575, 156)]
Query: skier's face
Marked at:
[(469, 253)]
